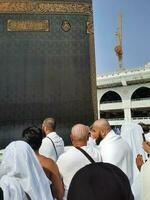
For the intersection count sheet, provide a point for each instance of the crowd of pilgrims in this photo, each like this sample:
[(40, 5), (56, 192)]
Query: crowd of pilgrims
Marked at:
[(100, 165)]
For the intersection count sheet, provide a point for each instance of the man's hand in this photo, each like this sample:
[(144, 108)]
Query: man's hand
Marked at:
[(146, 146), (139, 161)]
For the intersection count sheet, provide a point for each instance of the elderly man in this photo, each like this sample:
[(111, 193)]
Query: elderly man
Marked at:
[(74, 159), (112, 147), (52, 145)]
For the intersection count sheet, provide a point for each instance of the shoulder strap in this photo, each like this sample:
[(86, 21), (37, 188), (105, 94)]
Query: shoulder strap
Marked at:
[(86, 154), (53, 146), (28, 198)]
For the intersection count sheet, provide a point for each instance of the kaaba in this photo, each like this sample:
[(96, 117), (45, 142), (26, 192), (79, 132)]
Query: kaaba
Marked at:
[(47, 65)]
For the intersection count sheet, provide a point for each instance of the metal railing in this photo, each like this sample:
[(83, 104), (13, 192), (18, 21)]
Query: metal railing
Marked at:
[(116, 119), (139, 99), (115, 101), (134, 118)]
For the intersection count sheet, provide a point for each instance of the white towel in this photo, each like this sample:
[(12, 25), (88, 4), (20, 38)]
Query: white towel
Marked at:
[(21, 167)]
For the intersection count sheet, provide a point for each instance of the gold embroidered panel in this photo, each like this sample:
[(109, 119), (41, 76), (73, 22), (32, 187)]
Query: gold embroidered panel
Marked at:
[(27, 25), (45, 7)]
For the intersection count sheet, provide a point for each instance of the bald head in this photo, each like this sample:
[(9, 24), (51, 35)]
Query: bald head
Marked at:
[(49, 125), (79, 134), (102, 123), (100, 128)]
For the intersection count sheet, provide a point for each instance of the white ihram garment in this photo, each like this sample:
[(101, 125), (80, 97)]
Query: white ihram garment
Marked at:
[(20, 173), (12, 190), (47, 149), (147, 136), (73, 160), (145, 181), (116, 151), (91, 142), (132, 133)]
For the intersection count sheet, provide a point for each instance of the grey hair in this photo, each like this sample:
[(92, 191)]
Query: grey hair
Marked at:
[(80, 131)]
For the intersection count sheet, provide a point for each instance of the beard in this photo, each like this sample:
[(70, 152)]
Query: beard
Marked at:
[(98, 140)]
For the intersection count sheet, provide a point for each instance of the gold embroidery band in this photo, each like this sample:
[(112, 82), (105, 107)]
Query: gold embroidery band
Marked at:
[(27, 25), (45, 7)]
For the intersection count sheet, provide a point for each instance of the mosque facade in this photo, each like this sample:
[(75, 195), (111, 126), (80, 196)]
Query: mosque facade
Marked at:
[(125, 96)]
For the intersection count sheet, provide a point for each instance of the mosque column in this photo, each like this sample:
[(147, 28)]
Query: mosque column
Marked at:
[(98, 102), (127, 114), (98, 105), (127, 110)]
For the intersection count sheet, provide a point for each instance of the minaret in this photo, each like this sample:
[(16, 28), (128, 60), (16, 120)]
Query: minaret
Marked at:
[(118, 48)]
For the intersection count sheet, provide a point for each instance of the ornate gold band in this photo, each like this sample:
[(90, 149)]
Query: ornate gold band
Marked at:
[(27, 25), (45, 7)]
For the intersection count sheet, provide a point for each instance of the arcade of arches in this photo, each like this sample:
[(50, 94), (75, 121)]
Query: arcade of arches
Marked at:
[(120, 104)]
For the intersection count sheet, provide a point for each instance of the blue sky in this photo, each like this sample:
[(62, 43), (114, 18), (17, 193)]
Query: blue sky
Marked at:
[(136, 33)]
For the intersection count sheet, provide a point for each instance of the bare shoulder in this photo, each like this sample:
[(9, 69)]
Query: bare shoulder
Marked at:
[(48, 165), (46, 160)]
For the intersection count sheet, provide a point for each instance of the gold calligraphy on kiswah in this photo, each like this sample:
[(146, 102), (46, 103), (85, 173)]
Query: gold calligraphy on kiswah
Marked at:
[(44, 7), (27, 25)]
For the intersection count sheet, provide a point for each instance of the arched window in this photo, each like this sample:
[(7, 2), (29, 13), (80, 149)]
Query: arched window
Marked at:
[(110, 97), (141, 93), (140, 112)]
